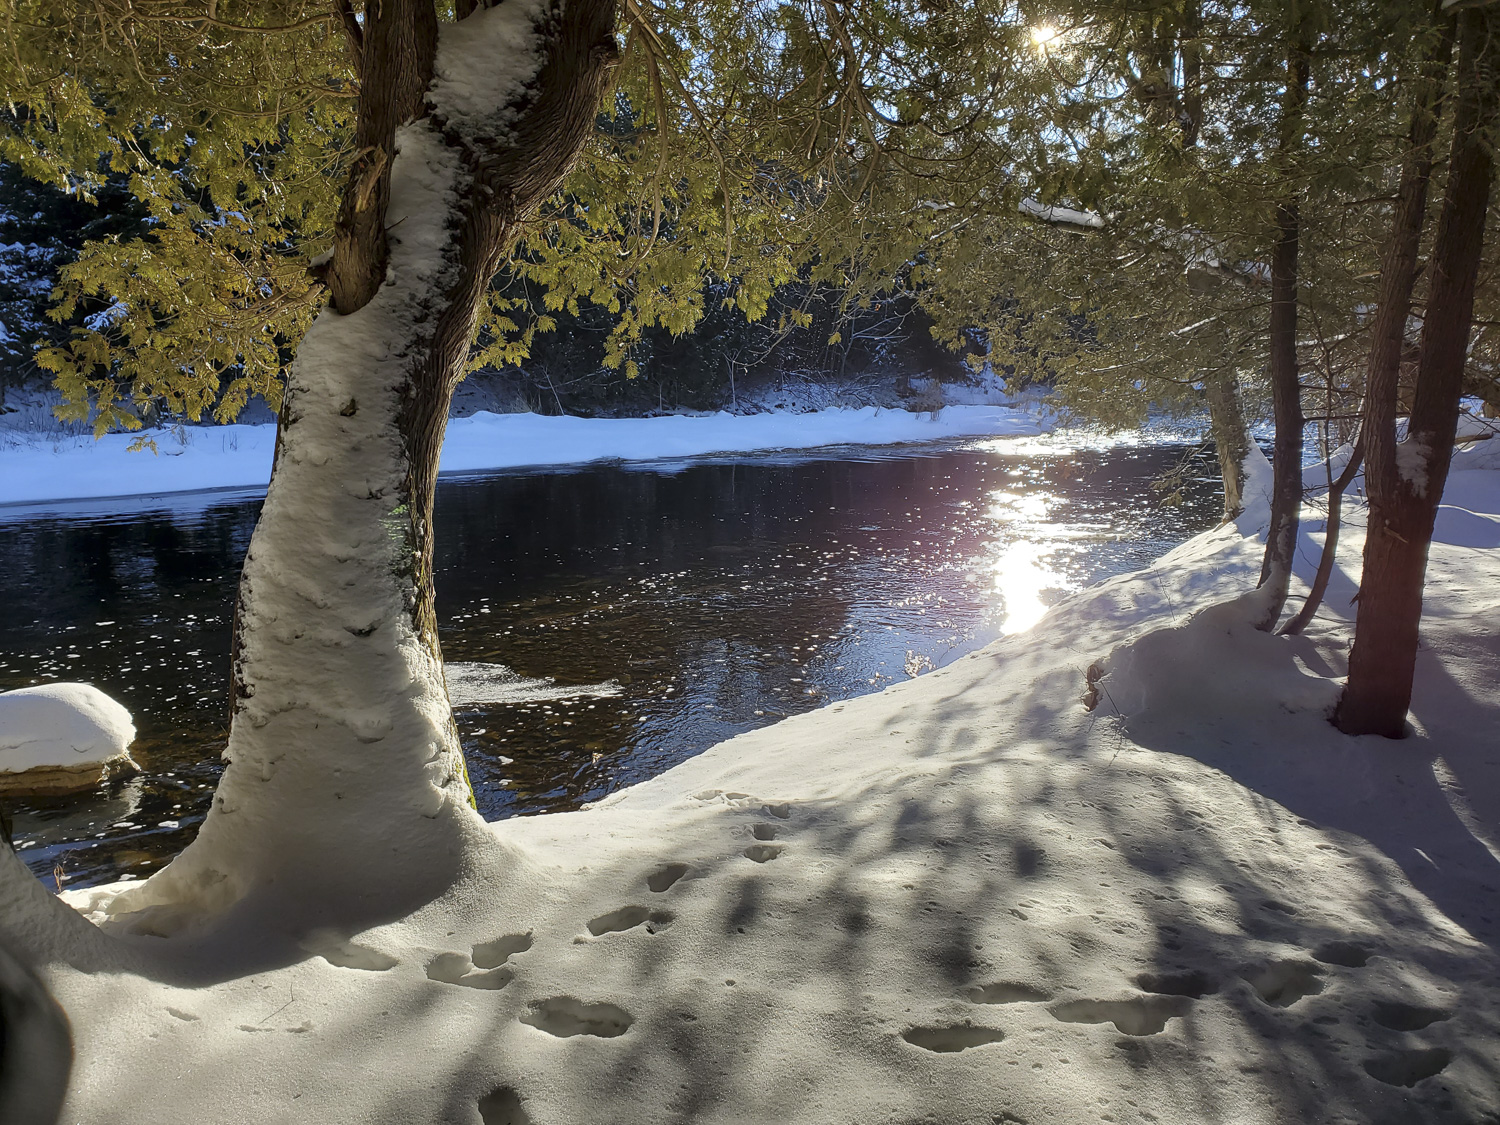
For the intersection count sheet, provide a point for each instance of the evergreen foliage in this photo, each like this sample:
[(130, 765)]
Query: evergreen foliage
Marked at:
[(763, 185)]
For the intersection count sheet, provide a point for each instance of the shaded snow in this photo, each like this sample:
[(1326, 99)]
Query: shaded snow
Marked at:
[(484, 64), (1412, 457), (964, 899)]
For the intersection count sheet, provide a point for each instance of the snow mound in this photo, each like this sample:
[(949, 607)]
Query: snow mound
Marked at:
[(1217, 665), (60, 737)]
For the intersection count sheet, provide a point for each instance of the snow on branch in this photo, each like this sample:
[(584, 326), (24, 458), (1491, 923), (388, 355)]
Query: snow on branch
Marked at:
[(1066, 216)]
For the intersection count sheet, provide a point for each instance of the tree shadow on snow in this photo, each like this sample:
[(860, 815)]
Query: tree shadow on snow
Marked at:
[(1005, 937)]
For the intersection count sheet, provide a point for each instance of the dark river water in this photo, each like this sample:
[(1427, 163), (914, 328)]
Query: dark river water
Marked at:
[(602, 624)]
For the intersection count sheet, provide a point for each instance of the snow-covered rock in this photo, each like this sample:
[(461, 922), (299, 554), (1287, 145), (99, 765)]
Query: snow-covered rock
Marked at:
[(61, 738)]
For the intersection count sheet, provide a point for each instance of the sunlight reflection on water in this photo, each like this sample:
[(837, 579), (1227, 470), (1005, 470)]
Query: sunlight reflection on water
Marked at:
[(1021, 575), (601, 624)]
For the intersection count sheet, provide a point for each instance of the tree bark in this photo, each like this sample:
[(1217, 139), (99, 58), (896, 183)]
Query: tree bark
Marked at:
[(399, 48), (1286, 390), (1408, 485), (345, 790), (1398, 276)]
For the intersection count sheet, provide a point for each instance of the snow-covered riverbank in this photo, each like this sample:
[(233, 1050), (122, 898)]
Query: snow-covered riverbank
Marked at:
[(964, 899), (190, 459)]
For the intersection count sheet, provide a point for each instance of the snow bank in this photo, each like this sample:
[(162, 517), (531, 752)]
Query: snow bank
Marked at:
[(1216, 665), (190, 459), (59, 738), (965, 899)]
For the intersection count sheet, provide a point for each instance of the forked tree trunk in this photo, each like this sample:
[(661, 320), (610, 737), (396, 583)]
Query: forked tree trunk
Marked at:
[(1398, 275), (1226, 416), (1383, 660), (1286, 390), (345, 781), (1336, 488)]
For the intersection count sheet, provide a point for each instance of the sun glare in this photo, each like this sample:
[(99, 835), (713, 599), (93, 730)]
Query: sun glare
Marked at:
[(1020, 572), (1043, 37), (1020, 580)]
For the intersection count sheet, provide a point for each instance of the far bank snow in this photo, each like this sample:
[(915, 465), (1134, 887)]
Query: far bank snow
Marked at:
[(192, 459)]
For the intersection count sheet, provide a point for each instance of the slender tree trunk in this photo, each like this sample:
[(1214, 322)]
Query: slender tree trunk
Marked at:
[(1191, 115), (1404, 503), (1226, 415), (1336, 489), (345, 788), (1286, 390)]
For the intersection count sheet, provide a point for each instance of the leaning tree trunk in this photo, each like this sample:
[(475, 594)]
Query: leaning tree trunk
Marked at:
[(1286, 390), (1383, 660), (1336, 488), (345, 780)]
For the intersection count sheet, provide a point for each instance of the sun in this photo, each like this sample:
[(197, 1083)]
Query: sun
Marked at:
[(1043, 37)]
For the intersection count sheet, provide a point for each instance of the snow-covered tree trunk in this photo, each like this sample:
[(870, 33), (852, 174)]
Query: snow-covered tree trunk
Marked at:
[(345, 779), (1226, 414), (1407, 487)]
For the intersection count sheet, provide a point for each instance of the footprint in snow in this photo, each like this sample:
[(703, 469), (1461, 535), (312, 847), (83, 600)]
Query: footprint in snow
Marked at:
[(1398, 1016), (484, 967), (334, 949), (955, 1037), (1006, 992), (1282, 983), (709, 795), (628, 918), (1189, 982), (566, 1016), (1137, 1015), (1344, 953), (457, 968), (1407, 1068), (503, 1107), (493, 954), (301, 1029), (663, 878)]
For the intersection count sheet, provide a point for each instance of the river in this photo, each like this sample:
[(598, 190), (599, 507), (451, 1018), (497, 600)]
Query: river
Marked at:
[(601, 624)]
